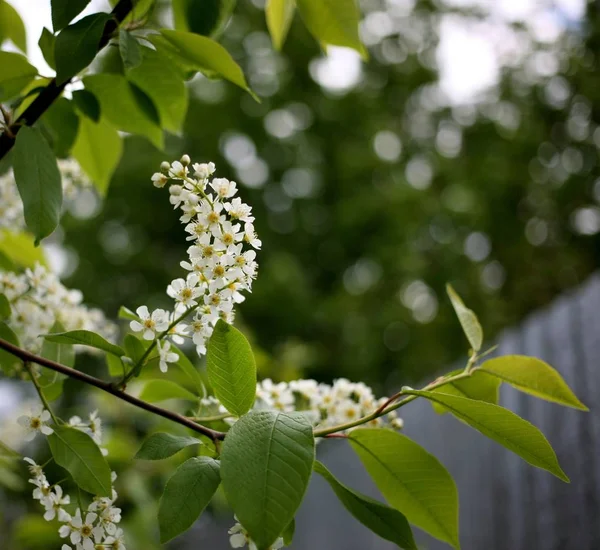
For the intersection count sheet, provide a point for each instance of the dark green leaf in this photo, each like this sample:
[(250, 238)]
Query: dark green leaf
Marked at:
[(60, 353), (11, 26), (145, 103), (190, 370), (231, 368), (208, 19), (130, 50), (533, 376), (503, 426), (77, 45), (4, 307), (98, 149), (77, 453), (162, 445), (187, 493), (161, 390), (7, 360), (288, 534), (85, 338), (135, 349), (120, 106), (87, 103), (266, 464), (46, 44), (62, 123), (64, 11), (381, 519), (413, 481), (15, 75), (38, 180), (479, 385), (279, 18)]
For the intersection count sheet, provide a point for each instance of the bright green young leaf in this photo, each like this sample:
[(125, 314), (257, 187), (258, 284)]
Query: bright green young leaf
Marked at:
[(77, 45), (468, 320), (98, 149), (62, 124), (4, 307), (479, 385), (130, 50), (126, 313), (15, 75), (115, 365), (85, 338), (266, 464), (161, 390), (11, 26), (533, 376), (60, 353), (64, 11), (187, 493), (163, 85), (384, 521), (413, 481), (333, 22), (206, 55), (231, 368), (279, 18), (120, 106), (162, 445), (88, 104), (208, 18), (77, 453), (38, 180), (503, 426), (141, 9), (20, 249), (7, 360), (46, 44)]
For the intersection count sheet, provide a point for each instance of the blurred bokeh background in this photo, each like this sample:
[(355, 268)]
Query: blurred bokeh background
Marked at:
[(465, 150)]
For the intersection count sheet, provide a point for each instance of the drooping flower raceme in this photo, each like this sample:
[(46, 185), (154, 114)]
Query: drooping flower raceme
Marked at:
[(221, 260)]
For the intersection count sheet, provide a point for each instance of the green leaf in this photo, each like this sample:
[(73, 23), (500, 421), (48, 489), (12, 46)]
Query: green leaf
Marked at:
[(190, 370), (77, 453), (62, 123), (85, 338), (479, 385), (231, 368), (64, 11), (187, 493), (413, 481), (384, 521), (15, 75), (52, 384), (88, 104), (11, 26), (206, 55), (164, 86), (130, 50), (7, 360), (162, 445), (533, 376), (115, 365), (279, 18), (121, 107), (468, 320), (503, 426), (4, 307), (60, 353), (77, 45), (46, 43), (98, 149), (288, 534), (266, 464), (38, 180), (135, 348), (333, 22), (20, 249), (126, 313), (141, 10), (209, 19), (161, 390)]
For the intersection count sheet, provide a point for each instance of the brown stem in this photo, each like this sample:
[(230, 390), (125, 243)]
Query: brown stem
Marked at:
[(28, 357), (53, 90)]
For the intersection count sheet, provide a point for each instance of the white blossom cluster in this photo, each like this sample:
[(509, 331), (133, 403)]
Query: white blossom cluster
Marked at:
[(238, 538), (11, 206), (96, 528), (221, 263), (38, 299)]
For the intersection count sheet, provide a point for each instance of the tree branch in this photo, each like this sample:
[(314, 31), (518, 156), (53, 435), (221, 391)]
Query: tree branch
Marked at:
[(28, 357), (53, 90)]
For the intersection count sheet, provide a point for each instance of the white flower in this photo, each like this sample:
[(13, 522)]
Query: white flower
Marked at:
[(203, 171), (223, 187), (151, 324), (42, 492), (239, 538), (83, 532), (178, 170), (54, 507), (166, 356), (116, 541), (239, 210), (250, 236), (186, 291), (35, 423), (34, 469), (159, 180)]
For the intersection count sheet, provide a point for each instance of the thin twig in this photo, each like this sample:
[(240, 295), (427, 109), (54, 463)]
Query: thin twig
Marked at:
[(28, 357)]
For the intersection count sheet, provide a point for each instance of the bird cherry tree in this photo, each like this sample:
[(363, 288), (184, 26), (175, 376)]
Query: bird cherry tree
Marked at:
[(255, 439)]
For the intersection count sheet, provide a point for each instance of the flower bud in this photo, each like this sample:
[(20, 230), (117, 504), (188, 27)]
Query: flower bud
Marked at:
[(164, 166), (185, 160)]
